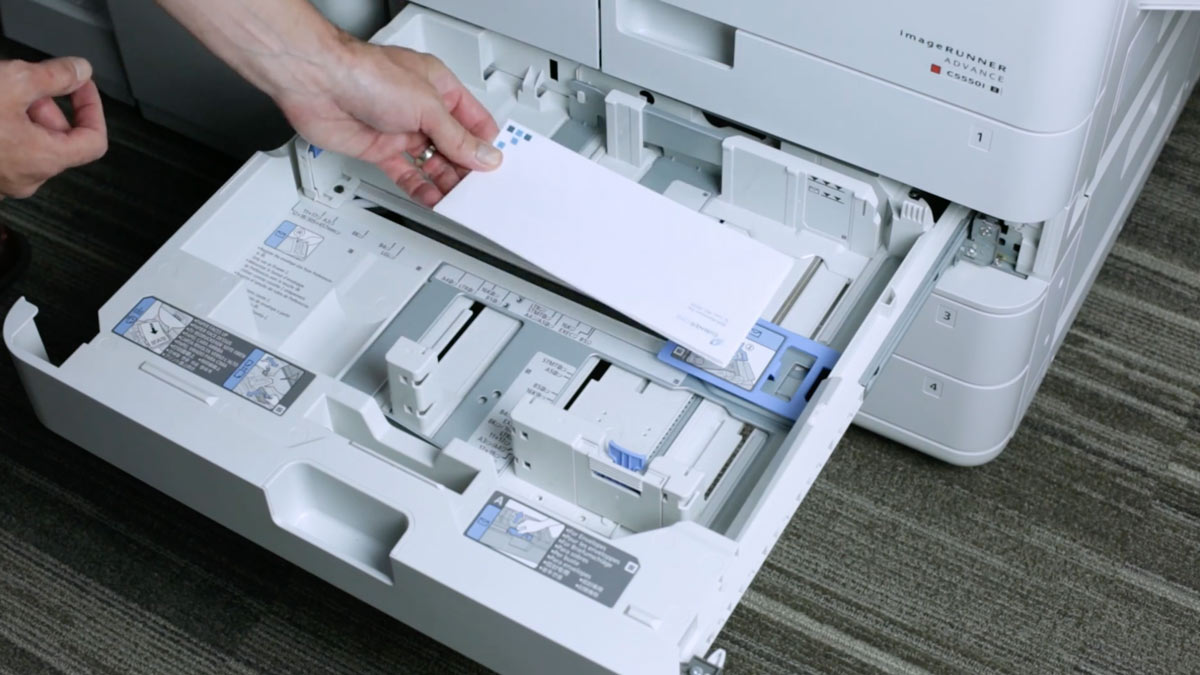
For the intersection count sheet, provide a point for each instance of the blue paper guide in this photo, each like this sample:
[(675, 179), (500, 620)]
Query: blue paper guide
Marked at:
[(773, 369)]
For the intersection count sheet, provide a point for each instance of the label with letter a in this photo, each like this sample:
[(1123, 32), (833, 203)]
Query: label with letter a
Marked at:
[(576, 560), (214, 354)]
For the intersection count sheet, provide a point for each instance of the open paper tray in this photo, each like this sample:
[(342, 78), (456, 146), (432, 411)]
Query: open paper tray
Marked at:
[(328, 482)]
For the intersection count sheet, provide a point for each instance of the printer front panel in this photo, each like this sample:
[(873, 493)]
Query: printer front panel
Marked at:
[(971, 401), (1033, 64), (1002, 93), (908, 91), (568, 28)]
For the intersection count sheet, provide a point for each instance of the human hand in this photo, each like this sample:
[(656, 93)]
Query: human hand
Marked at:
[(37, 142), (386, 105)]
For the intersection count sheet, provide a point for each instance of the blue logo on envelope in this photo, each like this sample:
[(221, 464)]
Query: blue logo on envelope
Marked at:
[(515, 134)]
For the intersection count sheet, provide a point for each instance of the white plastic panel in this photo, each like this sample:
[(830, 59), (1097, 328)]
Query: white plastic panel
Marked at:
[(1054, 321), (1093, 223), (1001, 169), (1153, 30), (1040, 51), (945, 410), (569, 28), (1134, 145), (999, 344)]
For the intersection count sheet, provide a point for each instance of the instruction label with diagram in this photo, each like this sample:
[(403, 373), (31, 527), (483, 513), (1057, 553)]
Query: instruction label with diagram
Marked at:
[(283, 279), (294, 240), (576, 560), (290, 271), (214, 354)]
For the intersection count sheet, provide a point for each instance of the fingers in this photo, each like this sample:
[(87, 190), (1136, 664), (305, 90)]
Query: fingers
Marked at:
[(383, 146), (87, 141), (393, 154), (23, 191), (458, 100), (54, 77), (412, 180), (69, 145), (89, 109), (427, 182), (37, 141), (454, 141), (45, 154), (397, 104), (470, 113), (440, 171), (45, 112)]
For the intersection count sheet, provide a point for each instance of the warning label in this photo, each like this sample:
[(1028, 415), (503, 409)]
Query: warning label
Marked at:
[(214, 354), (576, 560)]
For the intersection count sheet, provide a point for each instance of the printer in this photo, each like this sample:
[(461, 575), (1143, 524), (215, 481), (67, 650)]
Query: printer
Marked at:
[(417, 416)]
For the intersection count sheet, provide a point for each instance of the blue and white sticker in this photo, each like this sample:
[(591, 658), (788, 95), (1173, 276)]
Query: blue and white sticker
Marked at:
[(294, 240), (579, 561), (774, 369), (513, 135), (214, 354)]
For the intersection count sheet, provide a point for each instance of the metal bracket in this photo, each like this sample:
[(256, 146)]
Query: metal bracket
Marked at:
[(713, 665), (1169, 5), (699, 667), (992, 242)]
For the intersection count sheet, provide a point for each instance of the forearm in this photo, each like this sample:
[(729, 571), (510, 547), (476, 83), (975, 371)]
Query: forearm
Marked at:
[(283, 47)]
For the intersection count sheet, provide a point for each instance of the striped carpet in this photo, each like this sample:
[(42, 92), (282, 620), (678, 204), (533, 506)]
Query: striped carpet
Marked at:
[(1077, 550)]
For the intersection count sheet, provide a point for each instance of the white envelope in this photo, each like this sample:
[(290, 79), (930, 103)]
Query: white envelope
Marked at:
[(683, 274)]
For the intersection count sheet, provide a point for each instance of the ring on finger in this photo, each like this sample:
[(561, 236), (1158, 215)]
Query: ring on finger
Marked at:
[(426, 155)]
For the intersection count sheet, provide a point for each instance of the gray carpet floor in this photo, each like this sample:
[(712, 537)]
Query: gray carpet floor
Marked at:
[(1077, 550)]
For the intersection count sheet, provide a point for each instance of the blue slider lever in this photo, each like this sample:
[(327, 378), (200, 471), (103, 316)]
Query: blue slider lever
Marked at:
[(627, 458), (774, 369)]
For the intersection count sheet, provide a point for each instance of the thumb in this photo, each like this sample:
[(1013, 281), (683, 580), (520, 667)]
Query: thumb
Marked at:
[(457, 144), (57, 77)]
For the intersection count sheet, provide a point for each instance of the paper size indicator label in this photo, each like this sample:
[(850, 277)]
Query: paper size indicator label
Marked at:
[(498, 296)]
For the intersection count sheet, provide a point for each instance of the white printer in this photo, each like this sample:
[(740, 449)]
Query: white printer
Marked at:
[(408, 412)]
